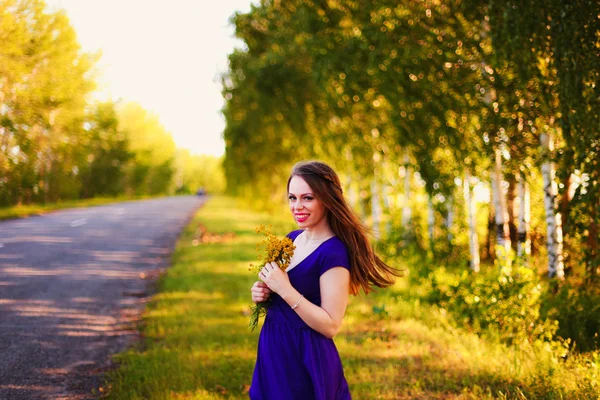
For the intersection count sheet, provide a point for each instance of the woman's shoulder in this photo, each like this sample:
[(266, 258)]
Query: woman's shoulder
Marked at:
[(336, 242), (334, 253)]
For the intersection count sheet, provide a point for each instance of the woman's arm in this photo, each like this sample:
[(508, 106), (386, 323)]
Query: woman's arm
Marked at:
[(326, 319)]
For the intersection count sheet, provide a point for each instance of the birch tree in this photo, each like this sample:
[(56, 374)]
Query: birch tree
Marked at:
[(449, 218), (524, 244), (430, 223), (553, 219), (470, 206), (375, 209), (406, 207), (386, 207), (550, 53), (502, 234)]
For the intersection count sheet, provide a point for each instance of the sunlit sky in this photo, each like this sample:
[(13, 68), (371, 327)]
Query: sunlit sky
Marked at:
[(165, 55)]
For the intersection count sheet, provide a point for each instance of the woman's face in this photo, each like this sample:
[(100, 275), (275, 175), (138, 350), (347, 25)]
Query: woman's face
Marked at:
[(308, 211)]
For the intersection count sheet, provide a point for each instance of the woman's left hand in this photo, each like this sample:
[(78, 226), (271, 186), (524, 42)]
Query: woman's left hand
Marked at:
[(276, 279)]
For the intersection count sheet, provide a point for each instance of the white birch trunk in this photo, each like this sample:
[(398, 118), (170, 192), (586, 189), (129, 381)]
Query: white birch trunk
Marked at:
[(449, 218), (553, 219), (524, 243), (430, 222), (473, 239), (502, 232), (375, 209), (386, 207), (406, 210)]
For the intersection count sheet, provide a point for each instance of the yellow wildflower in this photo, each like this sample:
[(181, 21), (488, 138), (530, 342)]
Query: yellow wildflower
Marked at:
[(275, 250)]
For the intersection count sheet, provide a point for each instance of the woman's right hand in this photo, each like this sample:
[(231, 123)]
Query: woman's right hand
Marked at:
[(260, 292)]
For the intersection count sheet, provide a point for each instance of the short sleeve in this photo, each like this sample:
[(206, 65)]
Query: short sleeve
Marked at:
[(336, 256)]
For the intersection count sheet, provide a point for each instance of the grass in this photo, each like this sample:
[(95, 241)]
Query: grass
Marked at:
[(196, 343), (22, 211)]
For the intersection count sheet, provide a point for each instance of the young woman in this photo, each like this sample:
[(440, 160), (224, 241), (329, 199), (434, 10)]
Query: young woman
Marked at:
[(297, 358)]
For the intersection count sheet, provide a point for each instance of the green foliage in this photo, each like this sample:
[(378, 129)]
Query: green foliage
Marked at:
[(108, 153), (194, 172), (54, 144), (577, 309), (546, 53), (151, 167), (507, 302), (44, 82), (361, 84)]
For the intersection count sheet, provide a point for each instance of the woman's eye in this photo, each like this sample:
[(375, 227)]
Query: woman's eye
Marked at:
[(291, 198), (308, 198)]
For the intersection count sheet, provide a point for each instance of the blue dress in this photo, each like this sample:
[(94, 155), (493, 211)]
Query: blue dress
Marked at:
[(295, 362)]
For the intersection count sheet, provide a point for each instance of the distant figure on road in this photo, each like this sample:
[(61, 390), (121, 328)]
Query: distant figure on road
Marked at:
[(297, 358), (201, 192)]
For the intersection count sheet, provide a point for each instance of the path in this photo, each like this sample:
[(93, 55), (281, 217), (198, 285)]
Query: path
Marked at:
[(72, 284)]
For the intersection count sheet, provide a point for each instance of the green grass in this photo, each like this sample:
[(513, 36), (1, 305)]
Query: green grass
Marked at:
[(196, 343), (23, 211)]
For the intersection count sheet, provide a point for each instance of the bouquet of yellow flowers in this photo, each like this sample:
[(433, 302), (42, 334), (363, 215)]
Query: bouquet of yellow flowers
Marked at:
[(271, 249)]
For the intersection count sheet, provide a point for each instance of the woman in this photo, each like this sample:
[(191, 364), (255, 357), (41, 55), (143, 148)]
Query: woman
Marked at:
[(297, 358)]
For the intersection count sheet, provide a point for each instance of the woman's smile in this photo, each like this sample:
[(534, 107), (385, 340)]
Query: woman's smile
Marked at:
[(301, 217)]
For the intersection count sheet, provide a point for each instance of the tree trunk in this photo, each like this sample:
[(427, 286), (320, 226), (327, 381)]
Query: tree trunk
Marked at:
[(502, 232), (593, 256), (449, 218), (430, 223), (512, 214), (565, 203), (564, 206), (386, 207), (375, 209), (553, 219), (524, 244), (406, 211), (491, 233), (473, 240)]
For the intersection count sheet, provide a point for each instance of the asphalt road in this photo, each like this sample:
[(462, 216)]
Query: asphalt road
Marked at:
[(72, 285)]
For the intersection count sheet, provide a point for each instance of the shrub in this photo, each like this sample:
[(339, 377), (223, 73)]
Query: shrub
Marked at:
[(507, 302), (577, 308)]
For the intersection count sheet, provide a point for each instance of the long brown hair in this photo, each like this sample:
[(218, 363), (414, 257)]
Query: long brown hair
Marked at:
[(366, 268)]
